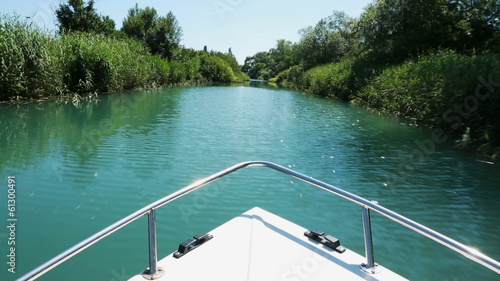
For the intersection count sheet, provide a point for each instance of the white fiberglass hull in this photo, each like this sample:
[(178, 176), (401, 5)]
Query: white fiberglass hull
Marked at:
[(259, 245)]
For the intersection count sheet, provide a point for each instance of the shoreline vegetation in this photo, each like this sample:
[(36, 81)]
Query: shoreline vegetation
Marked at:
[(435, 62), (88, 56)]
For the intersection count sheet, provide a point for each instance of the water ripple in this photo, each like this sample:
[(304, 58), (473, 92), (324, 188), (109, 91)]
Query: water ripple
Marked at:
[(166, 140)]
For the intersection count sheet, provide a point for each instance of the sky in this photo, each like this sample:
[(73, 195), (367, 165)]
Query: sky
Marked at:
[(245, 26)]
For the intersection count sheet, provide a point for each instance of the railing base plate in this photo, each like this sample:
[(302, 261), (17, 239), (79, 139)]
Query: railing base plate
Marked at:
[(159, 273), (370, 270)]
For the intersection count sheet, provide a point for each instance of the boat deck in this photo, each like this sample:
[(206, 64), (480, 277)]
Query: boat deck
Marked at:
[(259, 245)]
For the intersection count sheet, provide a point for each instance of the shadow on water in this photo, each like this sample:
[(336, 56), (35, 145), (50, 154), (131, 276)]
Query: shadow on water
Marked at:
[(256, 83), (30, 131)]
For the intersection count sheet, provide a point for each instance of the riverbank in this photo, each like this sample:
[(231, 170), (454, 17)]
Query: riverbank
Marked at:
[(36, 65), (458, 94), (437, 65)]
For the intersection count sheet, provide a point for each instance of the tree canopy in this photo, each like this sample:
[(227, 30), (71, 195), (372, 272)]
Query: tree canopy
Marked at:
[(161, 34), (401, 29), (330, 40), (76, 16), (266, 65), (388, 32)]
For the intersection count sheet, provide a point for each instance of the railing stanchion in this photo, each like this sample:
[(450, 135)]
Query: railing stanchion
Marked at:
[(153, 272), (370, 266)]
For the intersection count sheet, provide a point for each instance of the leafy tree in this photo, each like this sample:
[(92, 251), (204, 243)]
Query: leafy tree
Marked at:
[(161, 34), (479, 22), (318, 45), (257, 66), (332, 39), (282, 56), (345, 25), (76, 16), (401, 29), (266, 65), (328, 41)]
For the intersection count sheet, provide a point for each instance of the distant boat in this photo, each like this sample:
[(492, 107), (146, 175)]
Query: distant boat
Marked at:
[(259, 245)]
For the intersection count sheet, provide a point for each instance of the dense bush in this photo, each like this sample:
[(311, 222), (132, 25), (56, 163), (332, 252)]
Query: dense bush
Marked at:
[(27, 67), (159, 70), (456, 92), (240, 77), (292, 77), (339, 80), (216, 69), (230, 60), (331, 80), (185, 72)]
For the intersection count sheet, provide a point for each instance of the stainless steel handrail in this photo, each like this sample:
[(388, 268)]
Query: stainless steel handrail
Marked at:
[(367, 205)]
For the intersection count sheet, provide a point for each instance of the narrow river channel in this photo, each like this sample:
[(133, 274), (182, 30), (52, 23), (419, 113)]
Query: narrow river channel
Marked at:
[(80, 168)]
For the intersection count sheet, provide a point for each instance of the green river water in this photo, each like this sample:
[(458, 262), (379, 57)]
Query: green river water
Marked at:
[(80, 168)]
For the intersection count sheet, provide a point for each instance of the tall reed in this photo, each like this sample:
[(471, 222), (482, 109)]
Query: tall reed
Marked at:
[(96, 63), (27, 67), (34, 64)]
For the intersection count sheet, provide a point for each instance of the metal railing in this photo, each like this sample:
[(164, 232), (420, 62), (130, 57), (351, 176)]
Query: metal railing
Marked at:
[(154, 272)]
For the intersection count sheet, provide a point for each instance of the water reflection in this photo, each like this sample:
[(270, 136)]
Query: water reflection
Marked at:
[(30, 132)]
